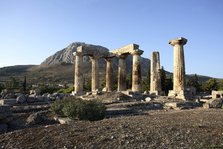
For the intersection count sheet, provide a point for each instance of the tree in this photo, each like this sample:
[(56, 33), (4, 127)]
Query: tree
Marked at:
[(24, 84), (210, 85), (166, 82), (220, 85), (1, 87), (146, 82), (87, 84), (129, 80), (163, 78), (168, 85), (193, 82), (11, 83)]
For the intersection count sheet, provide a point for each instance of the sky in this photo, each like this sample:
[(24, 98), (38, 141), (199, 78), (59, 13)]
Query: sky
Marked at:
[(32, 30)]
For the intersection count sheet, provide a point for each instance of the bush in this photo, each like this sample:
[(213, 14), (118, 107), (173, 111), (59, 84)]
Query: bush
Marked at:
[(66, 90), (47, 89), (79, 109), (57, 107)]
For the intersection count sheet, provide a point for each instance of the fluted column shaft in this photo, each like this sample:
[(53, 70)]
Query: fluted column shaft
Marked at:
[(179, 64), (122, 73), (155, 80), (136, 71), (78, 74), (95, 74), (109, 72)]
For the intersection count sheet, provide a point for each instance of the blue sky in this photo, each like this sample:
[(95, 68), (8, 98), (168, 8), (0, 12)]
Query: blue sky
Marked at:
[(32, 30)]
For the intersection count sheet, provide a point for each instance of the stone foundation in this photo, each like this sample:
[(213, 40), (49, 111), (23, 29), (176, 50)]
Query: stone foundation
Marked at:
[(217, 94), (178, 94)]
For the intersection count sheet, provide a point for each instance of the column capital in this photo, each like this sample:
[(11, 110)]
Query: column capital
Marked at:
[(137, 52), (77, 54), (109, 59), (122, 56), (178, 41), (94, 57)]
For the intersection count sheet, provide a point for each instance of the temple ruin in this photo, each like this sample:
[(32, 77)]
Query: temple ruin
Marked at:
[(95, 55), (121, 53)]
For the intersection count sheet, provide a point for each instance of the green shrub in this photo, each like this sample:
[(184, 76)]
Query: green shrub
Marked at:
[(57, 107), (79, 109), (47, 89), (91, 110), (66, 90)]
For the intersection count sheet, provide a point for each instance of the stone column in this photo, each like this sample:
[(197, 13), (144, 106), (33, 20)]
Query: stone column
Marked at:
[(122, 73), (78, 74), (179, 67), (136, 71), (109, 72), (95, 74), (155, 79)]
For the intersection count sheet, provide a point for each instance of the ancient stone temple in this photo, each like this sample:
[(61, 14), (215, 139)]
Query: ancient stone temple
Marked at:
[(155, 78), (122, 53), (95, 55), (179, 68)]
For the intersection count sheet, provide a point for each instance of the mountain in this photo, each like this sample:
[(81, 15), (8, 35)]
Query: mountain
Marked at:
[(59, 67), (66, 55)]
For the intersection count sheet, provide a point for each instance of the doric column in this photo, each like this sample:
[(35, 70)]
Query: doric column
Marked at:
[(179, 68), (109, 72), (155, 80), (136, 71), (122, 73), (95, 74), (78, 74), (179, 64)]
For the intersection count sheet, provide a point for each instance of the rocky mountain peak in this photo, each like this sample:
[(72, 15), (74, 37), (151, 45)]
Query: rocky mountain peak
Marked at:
[(66, 55)]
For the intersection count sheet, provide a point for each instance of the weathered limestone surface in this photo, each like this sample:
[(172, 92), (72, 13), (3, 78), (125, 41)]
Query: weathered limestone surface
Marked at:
[(109, 73), (217, 94), (122, 73), (136, 71), (132, 49), (126, 49), (95, 74), (78, 74), (98, 52), (179, 68), (95, 54), (155, 79)]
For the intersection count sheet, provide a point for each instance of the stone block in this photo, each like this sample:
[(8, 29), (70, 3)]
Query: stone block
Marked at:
[(148, 99), (21, 99), (3, 128), (171, 104), (31, 99), (9, 102), (206, 105)]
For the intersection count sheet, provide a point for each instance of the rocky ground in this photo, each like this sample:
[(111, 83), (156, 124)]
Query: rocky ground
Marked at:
[(195, 128)]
